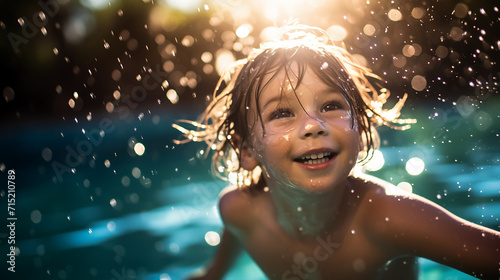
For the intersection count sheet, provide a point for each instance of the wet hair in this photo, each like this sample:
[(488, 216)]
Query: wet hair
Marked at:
[(225, 124)]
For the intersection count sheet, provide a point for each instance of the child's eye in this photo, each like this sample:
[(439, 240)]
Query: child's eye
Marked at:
[(332, 106), (281, 113)]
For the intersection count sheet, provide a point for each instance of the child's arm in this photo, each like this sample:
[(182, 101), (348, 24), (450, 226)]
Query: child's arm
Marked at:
[(413, 225), (228, 251), (232, 210)]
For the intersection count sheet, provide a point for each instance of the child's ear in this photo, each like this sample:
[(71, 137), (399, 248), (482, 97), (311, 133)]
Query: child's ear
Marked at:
[(248, 159)]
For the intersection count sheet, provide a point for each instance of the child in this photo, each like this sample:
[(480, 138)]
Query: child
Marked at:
[(288, 127)]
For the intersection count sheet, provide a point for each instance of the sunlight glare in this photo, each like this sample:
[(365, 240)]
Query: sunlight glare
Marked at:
[(336, 32), (244, 30), (187, 6), (223, 60)]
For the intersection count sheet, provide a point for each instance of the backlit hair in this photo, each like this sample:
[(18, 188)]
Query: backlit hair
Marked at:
[(224, 125)]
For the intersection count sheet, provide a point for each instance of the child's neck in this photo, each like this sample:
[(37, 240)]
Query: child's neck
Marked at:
[(306, 214)]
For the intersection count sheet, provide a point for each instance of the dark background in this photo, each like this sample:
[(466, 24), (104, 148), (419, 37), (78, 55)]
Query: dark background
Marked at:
[(43, 82)]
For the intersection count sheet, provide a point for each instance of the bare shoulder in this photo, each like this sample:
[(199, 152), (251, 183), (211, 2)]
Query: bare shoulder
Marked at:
[(235, 205), (388, 211), (383, 196), (404, 223), (384, 201)]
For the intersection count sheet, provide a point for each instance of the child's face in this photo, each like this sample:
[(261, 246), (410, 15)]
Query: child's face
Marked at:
[(308, 141)]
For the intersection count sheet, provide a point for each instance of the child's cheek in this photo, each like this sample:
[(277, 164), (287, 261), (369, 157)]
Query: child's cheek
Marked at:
[(341, 120), (275, 138), (274, 143)]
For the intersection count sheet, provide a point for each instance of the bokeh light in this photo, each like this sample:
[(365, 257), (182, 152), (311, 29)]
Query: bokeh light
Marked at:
[(139, 149), (336, 32), (405, 186), (212, 238), (418, 82), (415, 166), (395, 15), (376, 162)]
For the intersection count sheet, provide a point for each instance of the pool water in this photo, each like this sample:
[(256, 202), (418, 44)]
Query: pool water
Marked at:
[(118, 215)]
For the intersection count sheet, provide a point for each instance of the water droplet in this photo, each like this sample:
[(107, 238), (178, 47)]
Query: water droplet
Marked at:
[(42, 16), (415, 166), (418, 83), (90, 230), (461, 10), (139, 148), (172, 96), (110, 107), (212, 238), (395, 15), (111, 226), (8, 94), (164, 84), (174, 248), (47, 154), (36, 216), (136, 172), (112, 202), (187, 41), (125, 181), (359, 265)]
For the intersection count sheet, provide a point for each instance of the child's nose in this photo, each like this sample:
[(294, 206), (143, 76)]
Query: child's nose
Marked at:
[(313, 127)]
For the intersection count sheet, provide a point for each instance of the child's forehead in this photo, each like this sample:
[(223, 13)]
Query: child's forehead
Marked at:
[(288, 81)]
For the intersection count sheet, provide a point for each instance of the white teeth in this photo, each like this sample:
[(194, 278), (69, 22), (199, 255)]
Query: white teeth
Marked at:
[(317, 161), (316, 158)]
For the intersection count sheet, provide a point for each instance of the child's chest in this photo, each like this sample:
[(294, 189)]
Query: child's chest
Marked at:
[(344, 255)]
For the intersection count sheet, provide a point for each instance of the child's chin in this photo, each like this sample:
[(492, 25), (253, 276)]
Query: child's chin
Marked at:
[(317, 187)]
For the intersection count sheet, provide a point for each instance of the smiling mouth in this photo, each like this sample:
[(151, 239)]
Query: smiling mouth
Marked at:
[(316, 158)]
